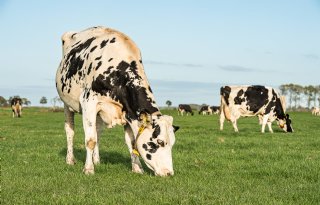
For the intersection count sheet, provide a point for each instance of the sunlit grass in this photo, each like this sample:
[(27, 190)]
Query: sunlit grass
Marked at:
[(211, 167)]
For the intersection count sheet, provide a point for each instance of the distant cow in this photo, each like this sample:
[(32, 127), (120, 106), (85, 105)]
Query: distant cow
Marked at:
[(315, 111), (184, 108), (237, 101), (16, 105), (101, 75), (205, 110), (215, 109)]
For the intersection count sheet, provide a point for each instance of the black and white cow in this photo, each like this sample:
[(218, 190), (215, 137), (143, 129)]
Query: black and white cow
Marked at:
[(16, 105), (205, 110), (184, 108), (215, 109), (101, 75), (237, 101)]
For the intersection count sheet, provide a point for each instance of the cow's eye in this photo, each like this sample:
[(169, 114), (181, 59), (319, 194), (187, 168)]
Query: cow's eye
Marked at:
[(160, 142)]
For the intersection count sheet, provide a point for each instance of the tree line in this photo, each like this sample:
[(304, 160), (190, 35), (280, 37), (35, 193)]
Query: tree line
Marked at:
[(297, 95), (25, 101)]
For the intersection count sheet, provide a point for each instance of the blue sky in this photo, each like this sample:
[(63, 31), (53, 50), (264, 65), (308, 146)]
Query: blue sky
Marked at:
[(189, 48)]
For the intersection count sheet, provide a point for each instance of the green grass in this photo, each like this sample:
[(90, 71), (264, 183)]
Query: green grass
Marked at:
[(211, 167)]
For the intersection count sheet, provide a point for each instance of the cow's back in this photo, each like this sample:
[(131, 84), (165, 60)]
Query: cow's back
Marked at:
[(103, 63)]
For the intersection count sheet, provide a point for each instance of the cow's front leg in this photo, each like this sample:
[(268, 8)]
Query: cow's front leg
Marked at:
[(270, 126), (135, 162), (89, 115), (69, 128)]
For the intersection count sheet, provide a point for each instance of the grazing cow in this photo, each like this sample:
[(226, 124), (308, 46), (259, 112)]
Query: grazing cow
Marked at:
[(16, 105), (215, 109), (101, 75), (315, 111), (205, 110), (237, 101), (184, 108)]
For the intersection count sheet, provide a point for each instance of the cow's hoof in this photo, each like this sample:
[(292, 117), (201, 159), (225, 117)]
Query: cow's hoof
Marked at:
[(70, 161), (137, 169), (88, 171), (96, 161)]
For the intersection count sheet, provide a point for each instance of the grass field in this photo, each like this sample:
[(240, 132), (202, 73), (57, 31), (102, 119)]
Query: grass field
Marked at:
[(211, 166)]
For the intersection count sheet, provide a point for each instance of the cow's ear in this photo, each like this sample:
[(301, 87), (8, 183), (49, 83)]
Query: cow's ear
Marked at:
[(287, 116), (175, 128), (144, 118)]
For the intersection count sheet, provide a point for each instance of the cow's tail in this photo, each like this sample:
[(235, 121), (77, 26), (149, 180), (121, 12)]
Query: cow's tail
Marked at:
[(224, 109)]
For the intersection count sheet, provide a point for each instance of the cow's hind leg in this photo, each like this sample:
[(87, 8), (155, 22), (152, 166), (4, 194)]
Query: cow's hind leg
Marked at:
[(270, 126), (69, 128), (89, 115), (135, 162), (264, 122), (99, 129), (234, 123)]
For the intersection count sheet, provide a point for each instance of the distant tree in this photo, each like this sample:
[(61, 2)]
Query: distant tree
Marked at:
[(43, 100), (169, 103), (25, 101), (56, 100), (316, 93), (283, 89), (309, 93), (297, 91), (3, 102)]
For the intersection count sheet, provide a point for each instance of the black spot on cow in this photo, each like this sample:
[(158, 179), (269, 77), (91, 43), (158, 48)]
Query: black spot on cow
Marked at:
[(110, 59), (113, 40), (148, 156), (87, 95), (225, 92), (104, 43), (256, 97), (73, 61), (156, 131), (150, 147), (93, 48), (145, 147), (99, 64), (238, 99), (150, 89), (98, 58), (119, 85), (89, 69), (153, 147)]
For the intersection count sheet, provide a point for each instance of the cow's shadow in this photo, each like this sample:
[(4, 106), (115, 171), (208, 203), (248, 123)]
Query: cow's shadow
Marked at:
[(105, 158)]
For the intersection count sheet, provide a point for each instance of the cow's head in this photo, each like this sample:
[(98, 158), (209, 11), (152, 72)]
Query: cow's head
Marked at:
[(285, 123), (155, 141)]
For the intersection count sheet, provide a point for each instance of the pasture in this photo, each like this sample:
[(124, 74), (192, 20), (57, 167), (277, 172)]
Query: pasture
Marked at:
[(211, 166)]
